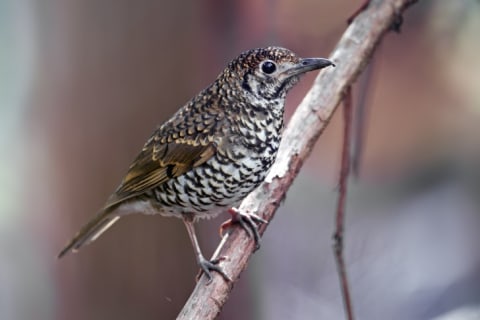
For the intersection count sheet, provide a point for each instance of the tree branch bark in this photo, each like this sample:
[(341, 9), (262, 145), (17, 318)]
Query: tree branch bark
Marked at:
[(351, 55)]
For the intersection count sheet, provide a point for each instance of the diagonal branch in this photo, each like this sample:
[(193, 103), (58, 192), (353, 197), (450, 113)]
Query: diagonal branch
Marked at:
[(351, 55)]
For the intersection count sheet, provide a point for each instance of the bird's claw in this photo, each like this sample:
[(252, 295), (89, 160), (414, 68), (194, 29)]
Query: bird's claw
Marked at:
[(206, 266), (248, 222)]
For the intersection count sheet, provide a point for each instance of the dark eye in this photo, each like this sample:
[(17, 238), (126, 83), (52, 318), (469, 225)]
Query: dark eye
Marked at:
[(269, 67)]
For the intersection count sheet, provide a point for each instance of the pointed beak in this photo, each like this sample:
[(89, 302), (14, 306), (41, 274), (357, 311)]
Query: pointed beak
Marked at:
[(308, 64)]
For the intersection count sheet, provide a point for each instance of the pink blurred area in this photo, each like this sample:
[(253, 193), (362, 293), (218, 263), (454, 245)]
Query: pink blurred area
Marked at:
[(103, 74)]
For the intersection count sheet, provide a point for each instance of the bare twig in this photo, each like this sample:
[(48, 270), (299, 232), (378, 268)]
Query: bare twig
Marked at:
[(351, 55), (342, 196), (360, 118)]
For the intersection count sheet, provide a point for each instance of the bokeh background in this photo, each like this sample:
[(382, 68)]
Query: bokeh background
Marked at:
[(83, 84)]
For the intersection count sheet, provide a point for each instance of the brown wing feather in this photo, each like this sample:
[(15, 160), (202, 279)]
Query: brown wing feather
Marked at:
[(158, 163), (184, 142)]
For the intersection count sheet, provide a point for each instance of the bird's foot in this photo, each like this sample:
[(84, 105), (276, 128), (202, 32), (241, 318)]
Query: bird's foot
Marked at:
[(248, 222), (206, 266)]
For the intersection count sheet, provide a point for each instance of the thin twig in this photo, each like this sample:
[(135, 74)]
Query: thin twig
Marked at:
[(342, 196), (361, 112), (313, 114)]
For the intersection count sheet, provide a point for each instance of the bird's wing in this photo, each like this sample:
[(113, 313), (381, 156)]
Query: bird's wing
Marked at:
[(158, 162), (184, 142)]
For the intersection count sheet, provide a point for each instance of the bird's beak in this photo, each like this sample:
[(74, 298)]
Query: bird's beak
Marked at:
[(308, 64)]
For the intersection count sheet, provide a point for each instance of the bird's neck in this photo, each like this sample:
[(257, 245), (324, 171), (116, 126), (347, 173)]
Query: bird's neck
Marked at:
[(258, 118)]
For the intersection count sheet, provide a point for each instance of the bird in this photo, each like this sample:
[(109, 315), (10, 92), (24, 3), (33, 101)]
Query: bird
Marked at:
[(212, 152)]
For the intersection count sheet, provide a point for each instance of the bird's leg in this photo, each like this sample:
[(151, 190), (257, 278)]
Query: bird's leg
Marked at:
[(205, 265), (248, 222)]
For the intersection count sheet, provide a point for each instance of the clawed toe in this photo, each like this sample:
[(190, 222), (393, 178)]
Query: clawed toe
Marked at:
[(248, 222), (207, 266)]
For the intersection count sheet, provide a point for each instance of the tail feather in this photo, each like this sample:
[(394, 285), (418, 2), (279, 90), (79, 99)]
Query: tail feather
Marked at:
[(90, 232)]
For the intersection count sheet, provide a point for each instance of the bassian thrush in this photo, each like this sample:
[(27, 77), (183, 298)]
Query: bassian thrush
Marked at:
[(213, 152)]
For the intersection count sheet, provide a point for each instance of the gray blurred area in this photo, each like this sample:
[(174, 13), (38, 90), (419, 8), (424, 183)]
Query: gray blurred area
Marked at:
[(84, 83)]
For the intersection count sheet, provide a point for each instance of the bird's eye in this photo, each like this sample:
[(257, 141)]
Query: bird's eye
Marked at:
[(269, 67)]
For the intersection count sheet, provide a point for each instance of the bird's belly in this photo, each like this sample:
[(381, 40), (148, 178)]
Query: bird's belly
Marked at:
[(209, 189)]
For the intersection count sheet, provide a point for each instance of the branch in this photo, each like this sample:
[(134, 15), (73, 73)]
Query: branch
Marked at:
[(312, 115), (342, 196)]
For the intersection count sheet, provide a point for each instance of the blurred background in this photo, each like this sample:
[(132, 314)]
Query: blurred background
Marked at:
[(84, 83)]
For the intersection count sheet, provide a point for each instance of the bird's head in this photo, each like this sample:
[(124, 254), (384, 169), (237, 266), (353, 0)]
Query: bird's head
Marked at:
[(268, 73)]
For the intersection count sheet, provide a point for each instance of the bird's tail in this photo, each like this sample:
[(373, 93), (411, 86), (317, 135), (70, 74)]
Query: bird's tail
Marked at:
[(91, 231)]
